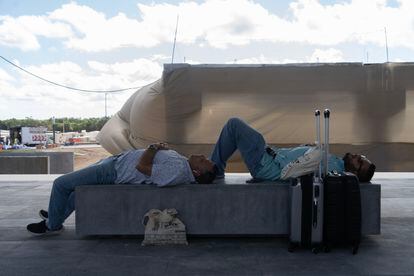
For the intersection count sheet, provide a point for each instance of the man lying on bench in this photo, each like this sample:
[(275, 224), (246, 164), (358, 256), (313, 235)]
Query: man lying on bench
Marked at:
[(265, 163), (158, 165)]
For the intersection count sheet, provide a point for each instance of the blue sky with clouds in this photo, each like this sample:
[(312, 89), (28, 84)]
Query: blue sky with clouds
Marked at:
[(104, 44)]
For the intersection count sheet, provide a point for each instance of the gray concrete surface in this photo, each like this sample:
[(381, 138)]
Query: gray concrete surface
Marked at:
[(24, 164), (59, 162), (391, 253), (228, 207)]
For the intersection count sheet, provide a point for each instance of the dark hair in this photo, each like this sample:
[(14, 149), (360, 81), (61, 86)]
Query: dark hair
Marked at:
[(207, 177), (365, 177)]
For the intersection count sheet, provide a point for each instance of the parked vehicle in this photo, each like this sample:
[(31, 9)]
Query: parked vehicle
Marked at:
[(29, 136)]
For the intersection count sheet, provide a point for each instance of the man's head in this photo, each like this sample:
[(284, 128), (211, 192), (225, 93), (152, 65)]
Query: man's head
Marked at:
[(204, 170), (359, 165)]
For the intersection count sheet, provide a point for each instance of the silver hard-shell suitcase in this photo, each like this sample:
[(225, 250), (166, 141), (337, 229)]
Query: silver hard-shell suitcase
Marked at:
[(306, 209)]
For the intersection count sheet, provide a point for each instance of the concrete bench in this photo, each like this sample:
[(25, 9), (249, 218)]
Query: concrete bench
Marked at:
[(230, 207), (24, 165), (59, 162)]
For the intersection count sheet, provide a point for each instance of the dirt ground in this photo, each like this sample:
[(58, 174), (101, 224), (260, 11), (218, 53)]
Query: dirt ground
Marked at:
[(84, 155)]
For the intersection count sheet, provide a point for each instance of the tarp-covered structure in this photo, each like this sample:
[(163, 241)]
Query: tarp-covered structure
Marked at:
[(372, 106)]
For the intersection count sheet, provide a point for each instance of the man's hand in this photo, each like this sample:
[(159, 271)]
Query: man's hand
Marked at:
[(145, 163), (160, 146)]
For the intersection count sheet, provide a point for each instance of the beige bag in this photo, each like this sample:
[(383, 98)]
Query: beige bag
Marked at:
[(163, 227)]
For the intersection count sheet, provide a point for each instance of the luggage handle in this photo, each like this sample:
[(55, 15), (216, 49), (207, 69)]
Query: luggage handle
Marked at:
[(315, 214), (325, 147), (326, 115), (318, 139)]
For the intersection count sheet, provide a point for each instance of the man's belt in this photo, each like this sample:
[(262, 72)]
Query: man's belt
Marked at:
[(271, 152)]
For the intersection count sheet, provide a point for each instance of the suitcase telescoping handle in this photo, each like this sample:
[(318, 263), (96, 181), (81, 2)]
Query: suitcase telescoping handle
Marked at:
[(318, 138), (315, 213), (326, 115), (316, 192)]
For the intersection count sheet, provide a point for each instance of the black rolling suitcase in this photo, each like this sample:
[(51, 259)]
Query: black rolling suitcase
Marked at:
[(306, 209), (342, 205)]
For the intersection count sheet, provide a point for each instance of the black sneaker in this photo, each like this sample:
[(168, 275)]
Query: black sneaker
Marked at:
[(41, 229), (43, 214)]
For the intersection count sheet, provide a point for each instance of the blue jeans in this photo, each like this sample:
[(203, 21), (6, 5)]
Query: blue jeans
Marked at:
[(236, 134), (62, 198)]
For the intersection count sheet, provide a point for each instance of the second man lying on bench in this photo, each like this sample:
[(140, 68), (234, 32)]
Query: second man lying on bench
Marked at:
[(158, 165), (265, 163)]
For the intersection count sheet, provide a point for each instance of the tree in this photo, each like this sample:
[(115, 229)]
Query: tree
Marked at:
[(71, 124)]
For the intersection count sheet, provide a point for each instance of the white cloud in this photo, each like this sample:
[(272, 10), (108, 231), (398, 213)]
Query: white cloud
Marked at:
[(318, 55), (159, 57), (22, 31), (328, 55), (400, 60), (137, 70), (218, 23), (46, 100), (253, 60), (97, 33), (192, 61), (99, 66), (5, 84), (4, 76), (359, 21), (263, 60)]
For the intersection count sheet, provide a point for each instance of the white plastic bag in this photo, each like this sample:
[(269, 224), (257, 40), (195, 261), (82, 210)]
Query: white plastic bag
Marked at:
[(163, 227), (305, 164)]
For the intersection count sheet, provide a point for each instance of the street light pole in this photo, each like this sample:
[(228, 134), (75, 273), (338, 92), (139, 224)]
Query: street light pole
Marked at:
[(106, 107), (53, 128)]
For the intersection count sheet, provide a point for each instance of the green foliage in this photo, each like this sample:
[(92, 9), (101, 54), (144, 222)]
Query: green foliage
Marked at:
[(66, 124)]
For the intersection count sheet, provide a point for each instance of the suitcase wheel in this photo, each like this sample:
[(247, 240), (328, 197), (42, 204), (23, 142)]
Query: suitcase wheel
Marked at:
[(292, 247), (316, 250), (355, 250)]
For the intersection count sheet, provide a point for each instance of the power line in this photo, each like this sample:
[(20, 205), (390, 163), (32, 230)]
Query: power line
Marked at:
[(69, 87)]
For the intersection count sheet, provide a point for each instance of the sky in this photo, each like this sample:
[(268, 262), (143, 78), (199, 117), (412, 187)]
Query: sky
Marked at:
[(108, 45)]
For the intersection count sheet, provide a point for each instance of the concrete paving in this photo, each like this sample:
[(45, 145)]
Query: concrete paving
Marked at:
[(391, 253)]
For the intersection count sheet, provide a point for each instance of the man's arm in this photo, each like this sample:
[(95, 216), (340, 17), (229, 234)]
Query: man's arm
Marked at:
[(145, 162)]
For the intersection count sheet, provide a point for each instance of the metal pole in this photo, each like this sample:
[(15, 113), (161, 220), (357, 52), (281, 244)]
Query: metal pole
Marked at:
[(318, 137), (53, 128), (386, 42), (106, 107), (175, 39), (326, 114)]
